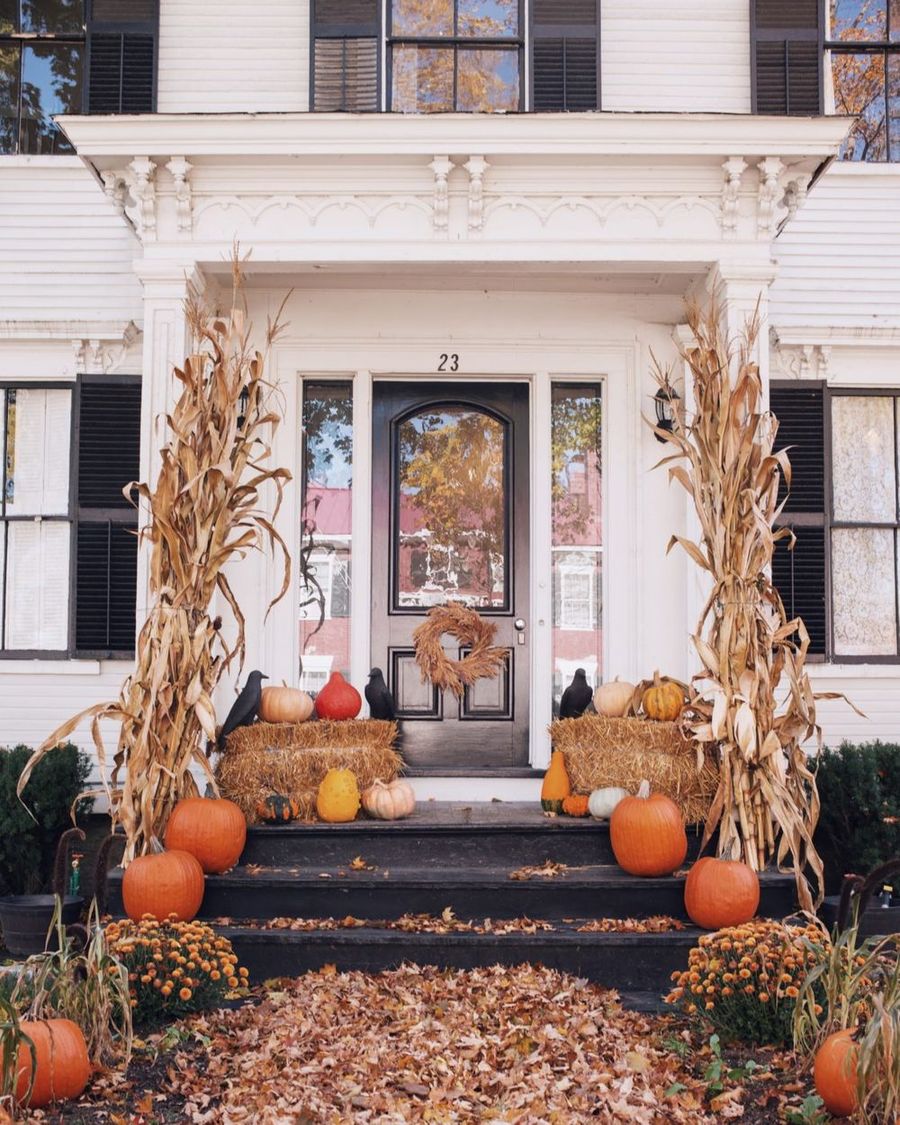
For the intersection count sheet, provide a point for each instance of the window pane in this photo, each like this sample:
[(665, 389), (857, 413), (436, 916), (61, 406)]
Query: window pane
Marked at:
[(894, 103), (488, 19), (452, 517), (576, 490), (51, 84), (865, 489), (9, 99), (859, 92), (37, 585), (422, 80), (37, 452), (9, 11), (53, 16), (863, 592), (854, 21), (325, 559), (488, 81), (895, 21), (424, 18)]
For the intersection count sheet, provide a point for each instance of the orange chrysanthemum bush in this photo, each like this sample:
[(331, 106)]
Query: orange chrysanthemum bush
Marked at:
[(174, 968), (745, 980)]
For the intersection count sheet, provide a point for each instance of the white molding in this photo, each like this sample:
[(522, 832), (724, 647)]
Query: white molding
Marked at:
[(540, 620), (581, 134), (361, 523), (74, 667)]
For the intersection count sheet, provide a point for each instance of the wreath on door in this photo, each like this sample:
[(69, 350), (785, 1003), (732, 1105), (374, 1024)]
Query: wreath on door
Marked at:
[(483, 660)]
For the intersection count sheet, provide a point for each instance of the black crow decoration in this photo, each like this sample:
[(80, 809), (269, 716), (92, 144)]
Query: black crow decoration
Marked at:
[(245, 707), (576, 697), (379, 699)]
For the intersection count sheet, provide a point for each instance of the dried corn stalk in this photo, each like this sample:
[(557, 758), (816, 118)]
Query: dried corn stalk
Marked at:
[(754, 699), (204, 511)]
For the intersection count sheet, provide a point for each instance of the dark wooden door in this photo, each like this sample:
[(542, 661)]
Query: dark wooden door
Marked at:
[(450, 511)]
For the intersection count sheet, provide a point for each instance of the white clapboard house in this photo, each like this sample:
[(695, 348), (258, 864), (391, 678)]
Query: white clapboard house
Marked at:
[(488, 212)]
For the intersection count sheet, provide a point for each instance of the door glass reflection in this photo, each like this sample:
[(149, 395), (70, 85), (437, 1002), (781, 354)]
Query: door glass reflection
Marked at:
[(452, 509)]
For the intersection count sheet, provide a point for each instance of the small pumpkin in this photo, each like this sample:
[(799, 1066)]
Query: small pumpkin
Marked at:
[(213, 830), (276, 807), (720, 893), (284, 705), (161, 884), (338, 798), (614, 698), (663, 700), (575, 805), (835, 1073), (602, 801), (338, 699), (389, 801), (63, 1067), (647, 834), (556, 785)]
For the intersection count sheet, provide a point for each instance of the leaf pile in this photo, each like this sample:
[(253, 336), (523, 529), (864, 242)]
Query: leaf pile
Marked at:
[(448, 923), (655, 924), (525, 1045)]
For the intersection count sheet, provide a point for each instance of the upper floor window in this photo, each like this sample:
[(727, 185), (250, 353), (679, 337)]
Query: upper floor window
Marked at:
[(72, 56), (443, 56), (863, 41)]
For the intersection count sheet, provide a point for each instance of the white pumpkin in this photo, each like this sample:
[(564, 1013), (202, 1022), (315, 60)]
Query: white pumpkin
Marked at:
[(602, 802), (613, 699), (391, 801)]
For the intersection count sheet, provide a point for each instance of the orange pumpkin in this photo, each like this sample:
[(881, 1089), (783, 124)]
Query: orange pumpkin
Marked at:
[(338, 699), (63, 1067), (647, 834), (284, 705), (213, 831), (575, 805), (162, 884), (663, 701), (835, 1073), (720, 893), (556, 785)]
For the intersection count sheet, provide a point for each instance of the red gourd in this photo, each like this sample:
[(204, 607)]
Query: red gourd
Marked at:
[(338, 699)]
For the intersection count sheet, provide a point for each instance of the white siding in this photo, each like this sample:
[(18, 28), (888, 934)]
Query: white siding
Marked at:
[(693, 56), (247, 55), (875, 691), (65, 254), (838, 259)]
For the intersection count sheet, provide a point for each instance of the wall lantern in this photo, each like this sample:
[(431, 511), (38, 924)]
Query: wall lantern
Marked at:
[(665, 413)]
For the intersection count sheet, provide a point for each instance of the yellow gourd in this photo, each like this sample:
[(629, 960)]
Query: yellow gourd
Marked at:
[(338, 798), (556, 786)]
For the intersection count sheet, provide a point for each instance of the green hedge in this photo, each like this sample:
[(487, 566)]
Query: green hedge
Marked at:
[(27, 845), (859, 787)]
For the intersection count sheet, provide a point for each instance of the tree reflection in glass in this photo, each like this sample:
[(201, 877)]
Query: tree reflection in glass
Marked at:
[(452, 509)]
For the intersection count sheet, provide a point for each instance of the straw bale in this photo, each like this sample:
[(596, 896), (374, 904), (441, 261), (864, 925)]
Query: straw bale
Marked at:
[(601, 752), (293, 758)]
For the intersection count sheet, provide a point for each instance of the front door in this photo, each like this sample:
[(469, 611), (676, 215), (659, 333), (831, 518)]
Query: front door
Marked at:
[(450, 524)]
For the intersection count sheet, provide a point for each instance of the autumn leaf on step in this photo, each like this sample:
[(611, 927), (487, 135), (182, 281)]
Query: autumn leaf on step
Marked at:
[(359, 864), (546, 870)]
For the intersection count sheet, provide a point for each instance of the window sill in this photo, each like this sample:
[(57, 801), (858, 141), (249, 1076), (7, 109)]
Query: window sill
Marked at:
[(22, 160), (836, 671), (37, 666)]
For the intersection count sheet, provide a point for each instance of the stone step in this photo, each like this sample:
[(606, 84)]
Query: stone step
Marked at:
[(639, 966)]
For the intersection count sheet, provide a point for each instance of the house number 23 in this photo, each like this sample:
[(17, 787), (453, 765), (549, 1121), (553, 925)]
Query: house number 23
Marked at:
[(448, 362)]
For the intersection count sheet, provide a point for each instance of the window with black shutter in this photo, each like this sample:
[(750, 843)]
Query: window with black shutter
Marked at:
[(787, 47), (109, 420), (122, 40), (345, 55), (799, 571), (565, 54)]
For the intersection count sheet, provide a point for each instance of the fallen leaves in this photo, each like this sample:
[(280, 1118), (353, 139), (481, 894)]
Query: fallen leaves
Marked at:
[(547, 870), (448, 923), (655, 924)]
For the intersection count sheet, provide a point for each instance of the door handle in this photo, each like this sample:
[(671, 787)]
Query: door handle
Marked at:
[(519, 626)]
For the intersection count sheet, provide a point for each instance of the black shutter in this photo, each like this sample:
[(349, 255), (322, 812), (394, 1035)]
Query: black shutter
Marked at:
[(565, 54), (109, 433), (800, 575), (787, 52), (122, 48), (345, 56)]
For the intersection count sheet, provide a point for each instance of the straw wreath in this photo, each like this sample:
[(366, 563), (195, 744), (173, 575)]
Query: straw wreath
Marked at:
[(483, 660)]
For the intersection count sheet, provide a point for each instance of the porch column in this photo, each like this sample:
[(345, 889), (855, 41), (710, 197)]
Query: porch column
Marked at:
[(741, 289)]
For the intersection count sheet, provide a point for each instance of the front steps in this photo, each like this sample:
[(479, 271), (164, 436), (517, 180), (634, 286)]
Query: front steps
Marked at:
[(456, 856)]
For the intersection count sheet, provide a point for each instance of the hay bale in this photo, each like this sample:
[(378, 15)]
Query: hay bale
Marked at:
[(293, 758), (601, 752)]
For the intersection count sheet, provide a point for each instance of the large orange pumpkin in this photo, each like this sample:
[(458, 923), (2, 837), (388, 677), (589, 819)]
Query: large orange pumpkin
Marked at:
[(284, 705), (63, 1067), (213, 831), (720, 892), (835, 1073), (338, 699), (647, 834), (163, 884)]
